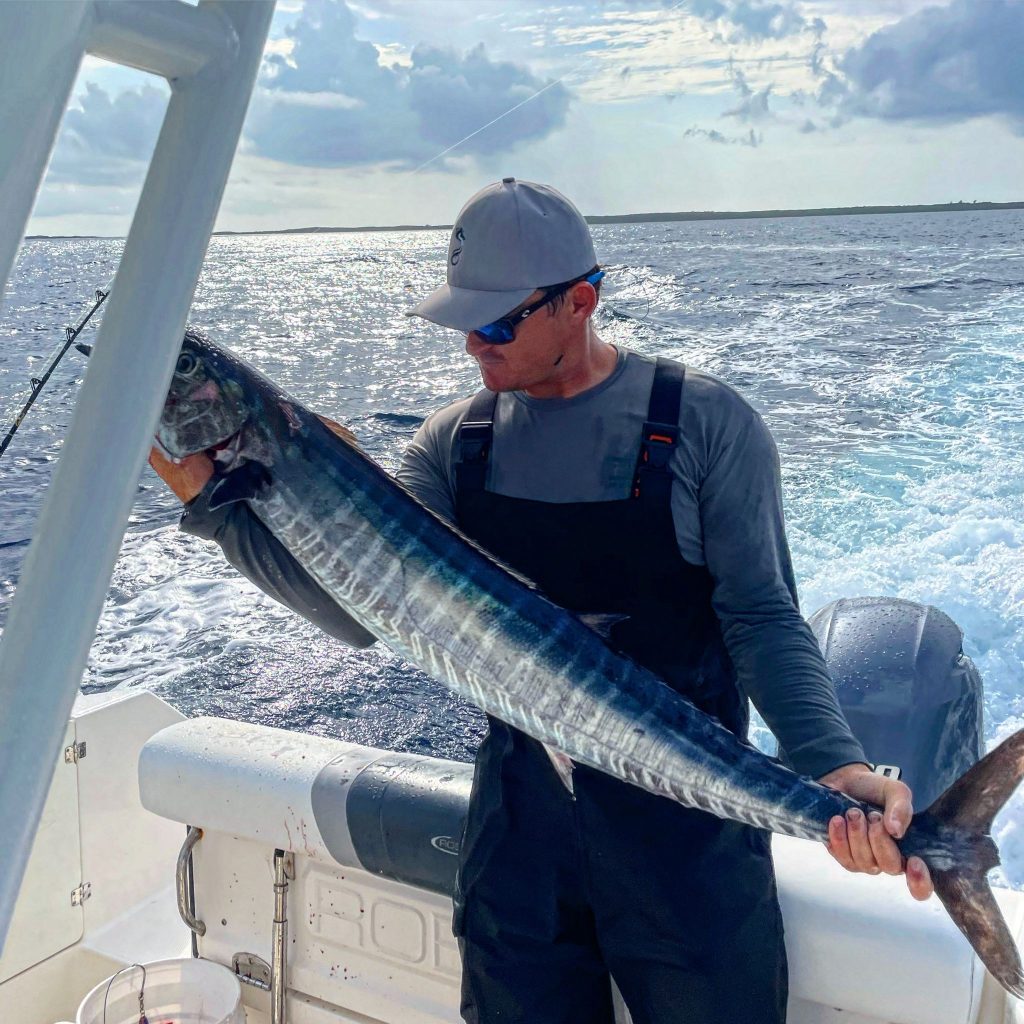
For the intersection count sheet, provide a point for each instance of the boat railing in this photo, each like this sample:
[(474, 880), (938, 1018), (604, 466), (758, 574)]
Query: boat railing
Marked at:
[(210, 55)]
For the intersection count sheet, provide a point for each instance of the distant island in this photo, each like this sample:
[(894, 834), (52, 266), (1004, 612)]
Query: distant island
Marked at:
[(649, 218)]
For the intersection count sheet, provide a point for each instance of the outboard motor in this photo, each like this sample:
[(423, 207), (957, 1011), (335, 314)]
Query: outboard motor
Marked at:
[(911, 695)]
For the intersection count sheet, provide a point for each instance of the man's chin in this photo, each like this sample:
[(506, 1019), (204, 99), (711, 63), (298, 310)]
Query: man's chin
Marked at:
[(495, 380)]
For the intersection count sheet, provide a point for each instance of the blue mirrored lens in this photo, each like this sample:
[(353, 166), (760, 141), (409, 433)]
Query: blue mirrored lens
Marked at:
[(498, 333)]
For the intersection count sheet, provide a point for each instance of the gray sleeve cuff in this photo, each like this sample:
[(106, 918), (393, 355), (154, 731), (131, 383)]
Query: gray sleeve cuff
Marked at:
[(198, 519), (819, 758), (259, 556)]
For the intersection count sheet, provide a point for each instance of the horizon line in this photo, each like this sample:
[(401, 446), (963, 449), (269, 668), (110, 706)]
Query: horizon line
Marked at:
[(641, 218)]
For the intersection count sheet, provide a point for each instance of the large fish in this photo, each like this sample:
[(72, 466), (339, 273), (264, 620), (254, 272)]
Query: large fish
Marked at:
[(449, 608)]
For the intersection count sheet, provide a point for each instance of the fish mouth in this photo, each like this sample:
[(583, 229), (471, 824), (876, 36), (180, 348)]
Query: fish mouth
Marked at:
[(227, 453)]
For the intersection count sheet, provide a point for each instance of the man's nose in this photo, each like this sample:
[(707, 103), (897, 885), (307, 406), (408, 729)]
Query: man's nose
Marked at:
[(475, 343)]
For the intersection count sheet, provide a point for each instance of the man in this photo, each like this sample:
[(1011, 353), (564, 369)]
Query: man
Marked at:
[(633, 489)]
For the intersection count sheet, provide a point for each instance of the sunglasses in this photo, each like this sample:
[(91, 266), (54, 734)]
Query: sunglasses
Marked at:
[(501, 332)]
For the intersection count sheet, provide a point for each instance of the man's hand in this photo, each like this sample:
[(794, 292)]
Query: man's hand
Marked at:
[(867, 845), (187, 477)]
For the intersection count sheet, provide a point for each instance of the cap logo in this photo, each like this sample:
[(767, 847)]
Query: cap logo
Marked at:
[(460, 236)]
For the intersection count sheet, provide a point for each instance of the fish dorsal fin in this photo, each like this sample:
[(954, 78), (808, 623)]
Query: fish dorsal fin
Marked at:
[(602, 622), (239, 485)]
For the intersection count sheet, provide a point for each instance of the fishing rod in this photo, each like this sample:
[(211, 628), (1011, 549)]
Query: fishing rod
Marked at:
[(39, 382)]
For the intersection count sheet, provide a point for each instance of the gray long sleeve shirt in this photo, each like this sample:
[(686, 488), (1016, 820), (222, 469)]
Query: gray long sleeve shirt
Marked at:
[(726, 506)]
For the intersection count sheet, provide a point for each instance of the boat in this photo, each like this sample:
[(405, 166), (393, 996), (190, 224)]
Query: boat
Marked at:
[(317, 874)]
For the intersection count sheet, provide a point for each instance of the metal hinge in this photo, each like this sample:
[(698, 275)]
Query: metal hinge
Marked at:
[(74, 753), (252, 970), (81, 894)]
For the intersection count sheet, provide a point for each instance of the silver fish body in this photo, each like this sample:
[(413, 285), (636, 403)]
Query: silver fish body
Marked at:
[(453, 611)]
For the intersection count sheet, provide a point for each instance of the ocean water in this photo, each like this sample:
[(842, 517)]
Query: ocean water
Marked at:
[(886, 354)]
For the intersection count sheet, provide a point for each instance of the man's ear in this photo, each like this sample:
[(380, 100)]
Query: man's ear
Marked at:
[(582, 299)]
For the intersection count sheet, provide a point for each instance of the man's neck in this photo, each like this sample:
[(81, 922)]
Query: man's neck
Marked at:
[(594, 363)]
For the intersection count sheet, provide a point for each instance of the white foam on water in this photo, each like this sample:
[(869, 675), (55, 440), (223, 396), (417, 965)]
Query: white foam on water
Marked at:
[(960, 548), (173, 602)]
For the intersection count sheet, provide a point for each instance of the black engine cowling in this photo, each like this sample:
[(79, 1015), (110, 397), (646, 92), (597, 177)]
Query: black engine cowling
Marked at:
[(910, 694)]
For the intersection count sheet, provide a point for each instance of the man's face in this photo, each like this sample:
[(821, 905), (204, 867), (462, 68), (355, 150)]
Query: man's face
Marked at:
[(536, 353)]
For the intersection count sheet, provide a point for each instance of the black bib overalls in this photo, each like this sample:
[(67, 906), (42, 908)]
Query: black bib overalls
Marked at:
[(557, 890)]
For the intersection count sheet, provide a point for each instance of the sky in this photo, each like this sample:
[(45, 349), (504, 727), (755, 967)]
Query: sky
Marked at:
[(382, 112)]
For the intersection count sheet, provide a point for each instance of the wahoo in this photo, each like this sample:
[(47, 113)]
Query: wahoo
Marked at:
[(446, 606)]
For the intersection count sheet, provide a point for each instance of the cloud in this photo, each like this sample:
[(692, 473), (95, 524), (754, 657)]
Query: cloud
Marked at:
[(753, 105), (454, 96), (108, 141), (397, 113), (753, 19), (941, 64), (319, 100), (749, 138)]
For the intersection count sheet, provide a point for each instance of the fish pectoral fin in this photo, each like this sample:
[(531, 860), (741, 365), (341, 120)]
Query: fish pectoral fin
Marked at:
[(563, 766), (239, 485), (602, 622)]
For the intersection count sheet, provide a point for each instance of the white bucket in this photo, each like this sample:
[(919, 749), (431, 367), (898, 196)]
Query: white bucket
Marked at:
[(177, 992)]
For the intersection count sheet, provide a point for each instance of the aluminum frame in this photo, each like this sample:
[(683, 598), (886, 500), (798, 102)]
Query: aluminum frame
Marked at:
[(211, 56)]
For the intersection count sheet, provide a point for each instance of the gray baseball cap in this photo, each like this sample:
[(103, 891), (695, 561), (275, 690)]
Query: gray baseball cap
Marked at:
[(510, 239)]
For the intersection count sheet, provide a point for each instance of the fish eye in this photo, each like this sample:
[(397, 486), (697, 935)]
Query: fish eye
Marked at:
[(187, 364)]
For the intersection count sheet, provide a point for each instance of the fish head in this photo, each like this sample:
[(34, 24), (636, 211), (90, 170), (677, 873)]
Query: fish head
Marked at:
[(207, 408)]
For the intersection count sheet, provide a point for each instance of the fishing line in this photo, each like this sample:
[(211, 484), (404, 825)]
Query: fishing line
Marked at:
[(622, 307), (484, 127), (644, 317), (39, 382), (521, 103)]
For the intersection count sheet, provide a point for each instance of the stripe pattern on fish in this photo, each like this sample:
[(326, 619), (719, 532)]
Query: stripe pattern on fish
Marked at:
[(455, 612)]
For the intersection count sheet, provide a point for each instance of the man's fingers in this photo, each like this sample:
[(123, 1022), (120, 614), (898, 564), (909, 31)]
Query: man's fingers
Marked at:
[(838, 844), (844, 844), (898, 807), (860, 845), (886, 853), (919, 880)]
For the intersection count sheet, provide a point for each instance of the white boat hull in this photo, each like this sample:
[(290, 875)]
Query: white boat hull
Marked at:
[(364, 947)]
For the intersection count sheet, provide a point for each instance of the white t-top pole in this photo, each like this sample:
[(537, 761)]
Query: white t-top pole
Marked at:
[(67, 570), (43, 46)]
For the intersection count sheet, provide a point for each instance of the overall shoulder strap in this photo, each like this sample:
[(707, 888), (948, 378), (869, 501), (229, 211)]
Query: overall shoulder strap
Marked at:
[(475, 434), (653, 479)]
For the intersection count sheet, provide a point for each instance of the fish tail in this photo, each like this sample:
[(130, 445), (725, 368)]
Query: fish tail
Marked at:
[(953, 838)]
